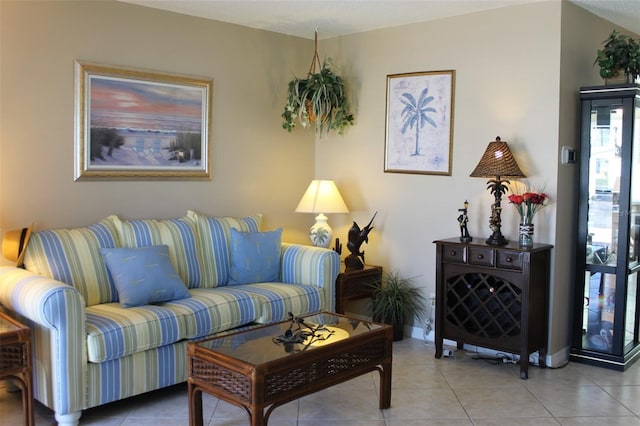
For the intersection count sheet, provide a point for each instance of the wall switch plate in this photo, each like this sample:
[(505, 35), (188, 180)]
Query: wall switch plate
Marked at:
[(568, 155)]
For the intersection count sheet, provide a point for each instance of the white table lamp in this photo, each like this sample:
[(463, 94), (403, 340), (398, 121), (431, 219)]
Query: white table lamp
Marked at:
[(322, 196)]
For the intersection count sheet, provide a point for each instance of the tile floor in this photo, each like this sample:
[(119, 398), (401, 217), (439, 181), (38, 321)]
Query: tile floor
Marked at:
[(453, 391)]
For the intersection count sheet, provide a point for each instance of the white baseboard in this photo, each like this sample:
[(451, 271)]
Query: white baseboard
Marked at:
[(555, 360)]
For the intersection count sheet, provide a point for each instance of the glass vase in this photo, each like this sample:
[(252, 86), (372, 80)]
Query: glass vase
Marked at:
[(526, 235)]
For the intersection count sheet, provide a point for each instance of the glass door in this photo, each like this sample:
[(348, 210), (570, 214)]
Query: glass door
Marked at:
[(603, 219), (632, 314)]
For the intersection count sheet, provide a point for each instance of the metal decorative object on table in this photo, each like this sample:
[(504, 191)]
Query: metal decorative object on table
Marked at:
[(357, 236), (463, 220)]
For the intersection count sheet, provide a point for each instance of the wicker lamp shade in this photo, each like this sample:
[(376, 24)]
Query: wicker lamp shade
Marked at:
[(496, 164), (497, 161)]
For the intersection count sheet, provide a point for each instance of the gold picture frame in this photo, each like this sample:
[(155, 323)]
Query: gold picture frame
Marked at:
[(139, 124), (419, 123)]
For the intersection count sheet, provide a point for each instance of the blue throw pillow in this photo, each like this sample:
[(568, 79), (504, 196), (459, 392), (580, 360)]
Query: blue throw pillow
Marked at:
[(255, 256), (143, 275)]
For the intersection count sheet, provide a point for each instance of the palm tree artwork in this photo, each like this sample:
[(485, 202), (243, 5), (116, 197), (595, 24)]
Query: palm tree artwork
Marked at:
[(319, 236), (419, 122), (414, 114)]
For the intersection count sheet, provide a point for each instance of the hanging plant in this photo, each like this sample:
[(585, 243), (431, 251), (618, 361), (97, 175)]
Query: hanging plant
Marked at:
[(318, 100)]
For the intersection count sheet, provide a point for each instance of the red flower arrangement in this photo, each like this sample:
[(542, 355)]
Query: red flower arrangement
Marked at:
[(528, 204)]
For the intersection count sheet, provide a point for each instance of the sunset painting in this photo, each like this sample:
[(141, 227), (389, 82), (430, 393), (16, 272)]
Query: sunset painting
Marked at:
[(141, 124)]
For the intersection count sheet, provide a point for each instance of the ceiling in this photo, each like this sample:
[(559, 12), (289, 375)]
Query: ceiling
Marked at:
[(334, 18)]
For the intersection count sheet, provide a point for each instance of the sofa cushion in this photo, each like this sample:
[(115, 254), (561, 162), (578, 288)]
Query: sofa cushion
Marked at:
[(114, 331), (214, 234), (178, 234), (276, 300), (210, 310), (255, 256), (143, 275), (72, 256)]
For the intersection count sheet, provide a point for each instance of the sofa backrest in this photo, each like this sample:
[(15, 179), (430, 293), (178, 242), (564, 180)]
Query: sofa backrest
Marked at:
[(72, 256), (198, 249), (214, 234), (178, 234)]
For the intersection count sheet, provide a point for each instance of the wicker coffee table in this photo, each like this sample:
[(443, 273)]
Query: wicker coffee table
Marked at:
[(261, 369), (15, 360)]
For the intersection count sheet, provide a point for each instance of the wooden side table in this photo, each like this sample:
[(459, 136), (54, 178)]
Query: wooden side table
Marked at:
[(355, 284), (15, 360)]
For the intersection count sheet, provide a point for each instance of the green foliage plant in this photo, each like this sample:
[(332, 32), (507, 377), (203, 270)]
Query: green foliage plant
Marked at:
[(620, 54), (319, 99), (396, 300)]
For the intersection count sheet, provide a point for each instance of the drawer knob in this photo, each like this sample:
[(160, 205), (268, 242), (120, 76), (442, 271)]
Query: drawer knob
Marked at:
[(480, 256), (453, 253), (509, 259)]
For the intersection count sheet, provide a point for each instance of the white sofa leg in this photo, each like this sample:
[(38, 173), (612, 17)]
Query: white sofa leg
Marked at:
[(69, 419)]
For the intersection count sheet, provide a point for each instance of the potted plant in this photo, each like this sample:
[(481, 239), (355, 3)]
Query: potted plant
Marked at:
[(319, 99), (396, 300), (620, 57)]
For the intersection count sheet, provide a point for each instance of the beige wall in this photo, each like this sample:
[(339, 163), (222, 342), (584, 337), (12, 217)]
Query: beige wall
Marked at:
[(512, 79), (257, 166), (507, 84)]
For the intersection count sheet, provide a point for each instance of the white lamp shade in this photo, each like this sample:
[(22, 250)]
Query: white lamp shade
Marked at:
[(322, 196)]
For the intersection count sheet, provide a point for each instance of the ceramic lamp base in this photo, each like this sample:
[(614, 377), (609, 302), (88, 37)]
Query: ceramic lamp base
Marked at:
[(320, 232)]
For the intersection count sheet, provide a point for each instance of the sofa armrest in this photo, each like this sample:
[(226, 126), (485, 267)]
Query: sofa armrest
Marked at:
[(311, 266), (56, 312)]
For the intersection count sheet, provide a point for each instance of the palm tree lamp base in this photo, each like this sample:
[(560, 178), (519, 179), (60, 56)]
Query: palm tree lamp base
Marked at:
[(320, 232)]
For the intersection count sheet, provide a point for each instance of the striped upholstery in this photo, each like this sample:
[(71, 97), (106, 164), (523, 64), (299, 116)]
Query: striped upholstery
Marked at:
[(135, 374), (214, 234), (114, 332), (178, 234), (210, 311), (277, 300), (72, 256), (56, 316), (90, 351), (314, 266)]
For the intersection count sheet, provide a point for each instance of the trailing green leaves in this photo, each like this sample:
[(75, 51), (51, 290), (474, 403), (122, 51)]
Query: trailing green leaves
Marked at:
[(319, 99)]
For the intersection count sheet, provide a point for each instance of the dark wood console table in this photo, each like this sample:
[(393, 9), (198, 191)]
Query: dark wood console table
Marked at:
[(355, 284), (493, 296)]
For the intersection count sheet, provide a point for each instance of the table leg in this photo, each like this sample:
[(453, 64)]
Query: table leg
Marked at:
[(195, 405), (257, 416), (27, 401), (524, 367), (385, 386)]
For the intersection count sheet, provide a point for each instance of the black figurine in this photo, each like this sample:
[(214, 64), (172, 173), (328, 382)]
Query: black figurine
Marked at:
[(357, 236), (463, 219)]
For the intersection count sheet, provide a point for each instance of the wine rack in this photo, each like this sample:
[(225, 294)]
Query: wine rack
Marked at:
[(493, 297)]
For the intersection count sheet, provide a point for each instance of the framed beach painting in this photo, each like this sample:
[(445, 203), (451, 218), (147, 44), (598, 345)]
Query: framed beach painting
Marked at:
[(419, 123), (132, 123)]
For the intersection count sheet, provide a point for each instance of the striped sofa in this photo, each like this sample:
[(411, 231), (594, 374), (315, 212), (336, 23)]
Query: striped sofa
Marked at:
[(89, 350)]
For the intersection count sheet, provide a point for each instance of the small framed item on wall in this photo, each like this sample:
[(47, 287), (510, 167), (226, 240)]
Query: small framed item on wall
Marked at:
[(419, 123), (139, 124)]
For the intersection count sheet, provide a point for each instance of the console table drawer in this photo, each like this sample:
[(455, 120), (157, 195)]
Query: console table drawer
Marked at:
[(453, 253), (510, 259), (481, 256)]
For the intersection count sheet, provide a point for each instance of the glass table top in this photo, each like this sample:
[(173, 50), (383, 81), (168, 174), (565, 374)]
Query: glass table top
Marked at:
[(272, 342)]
